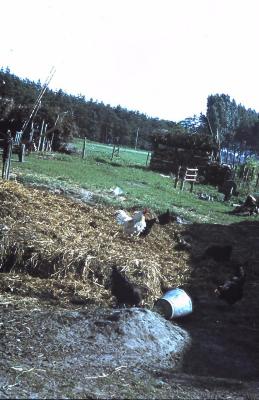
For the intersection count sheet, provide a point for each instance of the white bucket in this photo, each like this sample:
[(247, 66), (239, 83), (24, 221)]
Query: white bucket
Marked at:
[(174, 303)]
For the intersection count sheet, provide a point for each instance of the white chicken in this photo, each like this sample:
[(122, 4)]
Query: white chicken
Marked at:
[(132, 225)]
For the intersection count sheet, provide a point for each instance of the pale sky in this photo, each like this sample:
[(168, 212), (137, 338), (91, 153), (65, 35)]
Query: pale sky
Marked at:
[(160, 57)]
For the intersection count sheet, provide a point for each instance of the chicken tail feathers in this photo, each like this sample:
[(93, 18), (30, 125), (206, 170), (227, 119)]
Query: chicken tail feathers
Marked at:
[(122, 217)]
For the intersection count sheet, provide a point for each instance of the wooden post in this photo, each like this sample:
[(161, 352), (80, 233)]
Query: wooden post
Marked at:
[(21, 153), (177, 177), (148, 155), (136, 142), (3, 169), (43, 143), (41, 133), (31, 133), (7, 161), (10, 150), (182, 184), (51, 141), (44, 138), (84, 149), (115, 151)]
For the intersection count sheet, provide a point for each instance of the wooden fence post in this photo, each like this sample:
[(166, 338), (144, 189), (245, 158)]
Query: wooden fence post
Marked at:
[(7, 161), (115, 151), (10, 150), (21, 153), (148, 155), (84, 149), (177, 177)]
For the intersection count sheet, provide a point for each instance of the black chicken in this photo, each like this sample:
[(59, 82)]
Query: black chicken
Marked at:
[(164, 218), (149, 225), (232, 290), (218, 253), (125, 292)]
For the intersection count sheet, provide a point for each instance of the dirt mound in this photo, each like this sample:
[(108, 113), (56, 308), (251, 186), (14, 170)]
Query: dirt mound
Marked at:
[(141, 337), (50, 352), (136, 337)]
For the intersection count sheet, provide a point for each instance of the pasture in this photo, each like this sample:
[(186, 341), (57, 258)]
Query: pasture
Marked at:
[(129, 171)]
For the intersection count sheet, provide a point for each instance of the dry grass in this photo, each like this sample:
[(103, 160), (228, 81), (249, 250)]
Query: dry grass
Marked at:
[(71, 246)]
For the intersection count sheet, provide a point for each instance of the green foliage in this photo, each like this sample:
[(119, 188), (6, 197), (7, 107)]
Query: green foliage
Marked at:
[(234, 123), (195, 124), (252, 162)]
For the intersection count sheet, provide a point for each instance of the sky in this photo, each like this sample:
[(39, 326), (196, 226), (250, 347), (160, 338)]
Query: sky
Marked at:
[(162, 58)]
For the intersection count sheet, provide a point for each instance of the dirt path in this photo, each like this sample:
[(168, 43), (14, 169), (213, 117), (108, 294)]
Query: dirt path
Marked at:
[(84, 352)]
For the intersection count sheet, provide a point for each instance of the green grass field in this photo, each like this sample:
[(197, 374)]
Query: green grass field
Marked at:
[(141, 187)]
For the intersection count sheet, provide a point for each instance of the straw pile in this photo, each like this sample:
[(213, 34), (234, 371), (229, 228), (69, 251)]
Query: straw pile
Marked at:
[(50, 238)]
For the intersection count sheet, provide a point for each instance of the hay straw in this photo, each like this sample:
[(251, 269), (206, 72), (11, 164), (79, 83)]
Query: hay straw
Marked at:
[(51, 236)]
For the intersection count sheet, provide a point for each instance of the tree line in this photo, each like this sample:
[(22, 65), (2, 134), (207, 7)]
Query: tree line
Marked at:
[(230, 123), (76, 116)]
